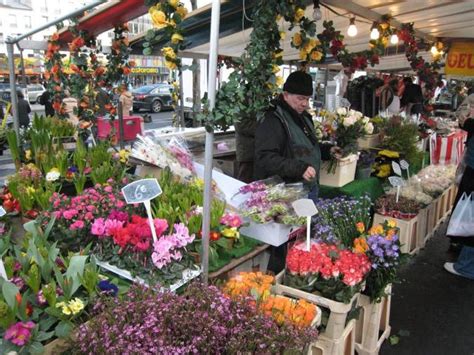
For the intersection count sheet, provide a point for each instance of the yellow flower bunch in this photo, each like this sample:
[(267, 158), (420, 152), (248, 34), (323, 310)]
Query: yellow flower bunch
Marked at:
[(232, 232), (123, 155), (389, 153), (384, 170), (72, 307)]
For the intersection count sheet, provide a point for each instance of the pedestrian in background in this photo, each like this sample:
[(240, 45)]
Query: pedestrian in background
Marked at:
[(126, 99), (45, 100), (24, 110)]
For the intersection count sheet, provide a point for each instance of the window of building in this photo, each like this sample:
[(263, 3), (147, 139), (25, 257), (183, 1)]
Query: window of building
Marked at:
[(27, 21), (45, 19), (44, 5), (12, 20)]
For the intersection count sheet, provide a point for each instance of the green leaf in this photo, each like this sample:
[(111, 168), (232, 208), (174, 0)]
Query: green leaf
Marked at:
[(36, 348), (394, 340), (147, 51), (9, 291), (42, 336), (63, 329), (76, 269)]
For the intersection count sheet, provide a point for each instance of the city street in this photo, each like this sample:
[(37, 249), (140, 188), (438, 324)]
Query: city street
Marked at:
[(159, 120)]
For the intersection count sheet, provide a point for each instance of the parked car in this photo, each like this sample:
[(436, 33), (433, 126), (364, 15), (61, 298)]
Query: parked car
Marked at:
[(34, 92), (5, 91), (153, 98)]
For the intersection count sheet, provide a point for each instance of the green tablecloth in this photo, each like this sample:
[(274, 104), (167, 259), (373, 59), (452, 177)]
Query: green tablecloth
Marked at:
[(371, 186)]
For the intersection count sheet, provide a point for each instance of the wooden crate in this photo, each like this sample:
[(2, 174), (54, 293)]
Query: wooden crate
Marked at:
[(336, 325), (407, 234), (373, 325), (430, 221), (344, 345), (422, 232)]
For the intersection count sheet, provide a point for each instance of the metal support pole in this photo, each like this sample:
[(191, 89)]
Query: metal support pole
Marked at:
[(14, 98), (120, 118), (22, 66), (209, 152), (181, 101)]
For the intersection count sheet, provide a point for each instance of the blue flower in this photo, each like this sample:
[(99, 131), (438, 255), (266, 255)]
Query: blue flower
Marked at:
[(107, 287)]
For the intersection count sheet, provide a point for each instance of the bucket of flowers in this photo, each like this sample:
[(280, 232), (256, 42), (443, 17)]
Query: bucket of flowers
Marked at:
[(343, 128)]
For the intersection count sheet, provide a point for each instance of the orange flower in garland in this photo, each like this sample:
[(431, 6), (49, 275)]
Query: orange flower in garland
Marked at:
[(76, 44)]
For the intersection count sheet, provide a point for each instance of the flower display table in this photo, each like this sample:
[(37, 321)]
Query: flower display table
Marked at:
[(357, 188), (344, 174)]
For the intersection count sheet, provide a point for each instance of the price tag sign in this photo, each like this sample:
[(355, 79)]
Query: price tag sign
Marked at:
[(405, 166), (143, 191), (397, 182), (2, 211), (305, 208), (396, 168)]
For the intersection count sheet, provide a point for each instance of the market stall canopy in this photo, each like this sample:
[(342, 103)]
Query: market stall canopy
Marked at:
[(446, 20), (106, 17)]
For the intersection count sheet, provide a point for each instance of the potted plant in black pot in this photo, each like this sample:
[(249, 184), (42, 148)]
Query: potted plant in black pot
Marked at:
[(364, 164)]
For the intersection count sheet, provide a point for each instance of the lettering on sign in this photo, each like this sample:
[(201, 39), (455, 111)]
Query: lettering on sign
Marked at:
[(141, 190)]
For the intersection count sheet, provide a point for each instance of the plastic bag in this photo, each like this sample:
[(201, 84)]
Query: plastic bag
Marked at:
[(461, 223)]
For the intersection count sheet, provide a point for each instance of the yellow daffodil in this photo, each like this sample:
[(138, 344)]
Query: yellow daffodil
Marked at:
[(182, 12), (123, 154), (176, 38), (297, 40), (158, 18), (299, 14), (173, 3), (316, 55)]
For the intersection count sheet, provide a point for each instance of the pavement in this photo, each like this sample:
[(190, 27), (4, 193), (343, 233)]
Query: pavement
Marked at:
[(432, 310)]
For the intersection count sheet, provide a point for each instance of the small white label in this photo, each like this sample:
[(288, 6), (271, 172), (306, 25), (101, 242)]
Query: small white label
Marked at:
[(141, 190), (396, 181), (2, 211), (396, 168), (3, 273), (304, 207), (404, 164)]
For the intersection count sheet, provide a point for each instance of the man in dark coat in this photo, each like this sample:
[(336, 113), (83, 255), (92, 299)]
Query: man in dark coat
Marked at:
[(24, 110), (245, 148), (412, 99), (285, 140)]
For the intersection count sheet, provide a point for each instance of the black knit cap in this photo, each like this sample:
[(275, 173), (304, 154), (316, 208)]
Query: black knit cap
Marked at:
[(299, 83)]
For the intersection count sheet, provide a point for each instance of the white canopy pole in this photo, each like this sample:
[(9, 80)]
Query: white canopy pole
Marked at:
[(209, 149)]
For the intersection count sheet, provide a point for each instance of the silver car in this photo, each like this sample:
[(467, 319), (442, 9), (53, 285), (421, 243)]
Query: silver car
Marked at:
[(34, 92)]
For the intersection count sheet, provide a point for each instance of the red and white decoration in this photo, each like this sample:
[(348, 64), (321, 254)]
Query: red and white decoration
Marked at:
[(445, 150)]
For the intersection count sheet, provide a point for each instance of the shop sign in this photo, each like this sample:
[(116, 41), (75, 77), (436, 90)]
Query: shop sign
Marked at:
[(145, 70), (460, 59)]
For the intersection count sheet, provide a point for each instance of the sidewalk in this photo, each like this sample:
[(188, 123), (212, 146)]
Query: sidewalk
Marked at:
[(435, 307)]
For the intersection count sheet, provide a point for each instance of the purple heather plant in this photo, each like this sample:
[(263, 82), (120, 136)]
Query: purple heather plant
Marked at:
[(202, 320)]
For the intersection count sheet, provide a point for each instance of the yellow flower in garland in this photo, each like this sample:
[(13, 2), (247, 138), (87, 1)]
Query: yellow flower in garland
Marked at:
[(303, 54), (282, 34), (170, 65), (316, 55), (308, 47), (169, 53), (176, 38), (279, 81), (299, 14), (275, 68), (278, 54), (297, 40), (173, 3), (158, 18), (182, 12)]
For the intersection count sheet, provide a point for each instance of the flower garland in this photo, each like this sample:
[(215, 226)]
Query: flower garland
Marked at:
[(55, 75), (166, 15), (118, 63)]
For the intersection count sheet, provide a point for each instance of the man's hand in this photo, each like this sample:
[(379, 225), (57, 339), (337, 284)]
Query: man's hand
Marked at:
[(309, 174), (336, 152)]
